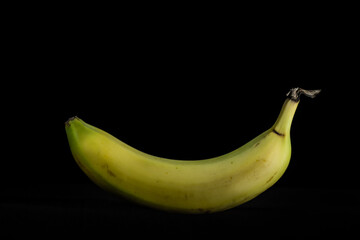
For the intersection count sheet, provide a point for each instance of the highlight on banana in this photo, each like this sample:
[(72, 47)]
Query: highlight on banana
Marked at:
[(198, 186)]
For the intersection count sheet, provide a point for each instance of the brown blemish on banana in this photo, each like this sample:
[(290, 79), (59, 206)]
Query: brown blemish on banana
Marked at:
[(188, 196), (111, 173), (257, 144), (280, 134), (271, 177), (106, 167), (262, 160)]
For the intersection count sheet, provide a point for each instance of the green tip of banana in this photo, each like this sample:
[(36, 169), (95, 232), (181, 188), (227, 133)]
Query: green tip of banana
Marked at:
[(68, 122), (198, 186)]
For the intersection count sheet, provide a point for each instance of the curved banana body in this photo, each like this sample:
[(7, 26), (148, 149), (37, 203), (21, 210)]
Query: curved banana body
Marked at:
[(197, 186)]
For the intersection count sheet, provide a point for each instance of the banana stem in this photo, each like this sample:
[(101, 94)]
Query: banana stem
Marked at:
[(295, 93), (283, 123)]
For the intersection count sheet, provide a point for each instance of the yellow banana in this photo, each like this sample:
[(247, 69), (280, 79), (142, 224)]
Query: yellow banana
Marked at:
[(198, 186)]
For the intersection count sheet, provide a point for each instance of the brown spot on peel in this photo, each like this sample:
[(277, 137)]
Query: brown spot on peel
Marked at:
[(108, 170), (110, 173), (280, 134), (271, 177)]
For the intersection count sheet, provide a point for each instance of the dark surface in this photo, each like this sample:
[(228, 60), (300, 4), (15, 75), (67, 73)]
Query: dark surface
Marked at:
[(87, 210)]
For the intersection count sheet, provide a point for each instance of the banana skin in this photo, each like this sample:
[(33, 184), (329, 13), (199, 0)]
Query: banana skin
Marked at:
[(198, 186)]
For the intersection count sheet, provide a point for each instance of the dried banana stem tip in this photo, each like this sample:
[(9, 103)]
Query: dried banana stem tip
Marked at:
[(295, 93)]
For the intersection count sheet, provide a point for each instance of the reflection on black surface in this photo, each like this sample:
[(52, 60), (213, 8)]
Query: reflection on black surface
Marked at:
[(88, 209)]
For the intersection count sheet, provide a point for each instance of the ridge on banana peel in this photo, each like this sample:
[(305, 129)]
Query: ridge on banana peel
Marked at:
[(199, 186)]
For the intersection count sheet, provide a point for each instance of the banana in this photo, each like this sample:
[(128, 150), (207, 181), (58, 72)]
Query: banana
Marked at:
[(199, 186)]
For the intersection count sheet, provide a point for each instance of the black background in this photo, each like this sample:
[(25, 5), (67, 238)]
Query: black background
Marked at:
[(184, 90)]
